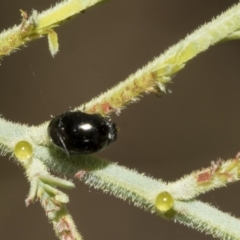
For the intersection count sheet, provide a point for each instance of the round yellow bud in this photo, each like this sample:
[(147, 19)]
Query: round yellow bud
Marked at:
[(23, 150), (164, 201)]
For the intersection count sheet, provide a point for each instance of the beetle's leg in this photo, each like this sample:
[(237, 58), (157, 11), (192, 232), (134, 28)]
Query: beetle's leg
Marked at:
[(63, 144)]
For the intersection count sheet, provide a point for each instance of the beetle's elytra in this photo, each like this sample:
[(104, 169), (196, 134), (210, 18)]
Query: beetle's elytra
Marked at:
[(79, 132)]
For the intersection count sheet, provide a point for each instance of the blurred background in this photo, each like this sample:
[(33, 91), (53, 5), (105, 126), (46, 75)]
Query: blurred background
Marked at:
[(165, 138)]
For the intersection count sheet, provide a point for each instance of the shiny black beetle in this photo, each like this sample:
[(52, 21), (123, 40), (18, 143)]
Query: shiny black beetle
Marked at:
[(79, 132)]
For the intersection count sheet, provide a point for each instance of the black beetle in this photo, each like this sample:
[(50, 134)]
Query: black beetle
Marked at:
[(79, 132)]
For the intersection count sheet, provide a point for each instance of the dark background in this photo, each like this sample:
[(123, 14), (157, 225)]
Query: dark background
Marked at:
[(165, 138)]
